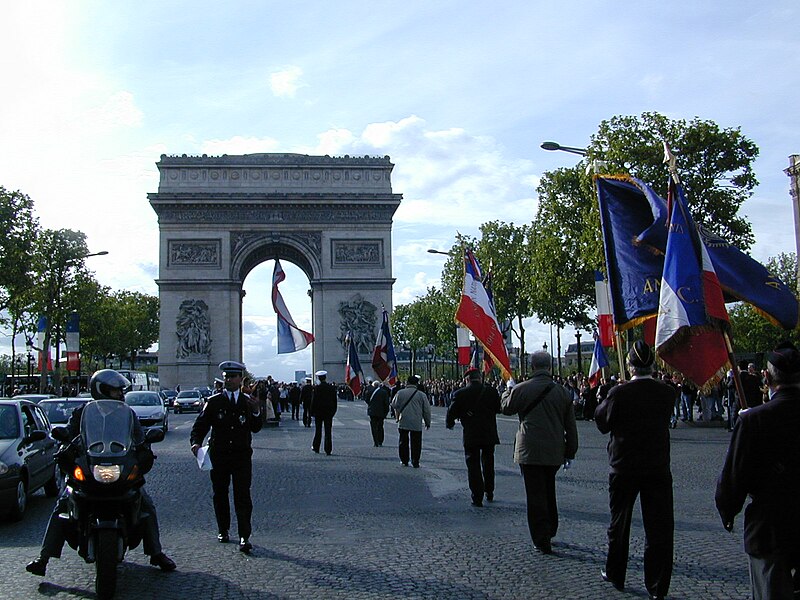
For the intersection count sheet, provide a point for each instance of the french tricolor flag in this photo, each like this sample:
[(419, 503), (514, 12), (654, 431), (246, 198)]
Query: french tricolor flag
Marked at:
[(599, 362), (475, 312), (691, 316), (290, 337)]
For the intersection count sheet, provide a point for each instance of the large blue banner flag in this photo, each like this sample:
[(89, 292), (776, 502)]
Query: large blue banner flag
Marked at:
[(634, 225)]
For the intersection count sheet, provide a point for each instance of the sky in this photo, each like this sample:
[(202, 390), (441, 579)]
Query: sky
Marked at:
[(460, 94)]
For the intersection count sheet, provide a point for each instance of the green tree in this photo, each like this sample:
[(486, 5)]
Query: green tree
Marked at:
[(504, 251), (138, 324), (18, 231), (715, 165), (56, 254)]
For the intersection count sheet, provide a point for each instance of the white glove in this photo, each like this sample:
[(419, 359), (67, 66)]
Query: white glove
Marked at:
[(567, 464), (510, 383)]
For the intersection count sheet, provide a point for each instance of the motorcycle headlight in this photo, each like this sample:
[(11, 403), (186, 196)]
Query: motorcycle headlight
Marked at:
[(3, 468), (106, 473)]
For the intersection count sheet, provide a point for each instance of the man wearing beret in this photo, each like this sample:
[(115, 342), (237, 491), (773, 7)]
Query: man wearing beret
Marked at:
[(323, 408), (232, 417), (763, 462), (476, 406), (637, 414)]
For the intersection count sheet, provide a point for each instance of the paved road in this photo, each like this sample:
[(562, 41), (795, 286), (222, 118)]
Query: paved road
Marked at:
[(359, 525)]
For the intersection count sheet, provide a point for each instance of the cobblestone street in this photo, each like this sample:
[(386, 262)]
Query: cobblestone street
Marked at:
[(358, 524)]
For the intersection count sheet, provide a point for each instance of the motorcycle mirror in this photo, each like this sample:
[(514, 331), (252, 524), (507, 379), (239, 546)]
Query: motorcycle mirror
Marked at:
[(60, 433), (154, 435)]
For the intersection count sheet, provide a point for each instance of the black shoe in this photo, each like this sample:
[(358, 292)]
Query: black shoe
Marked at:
[(477, 503), (655, 597), (604, 576), (490, 496), (37, 566), (405, 464), (544, 547), (316, 450), (223, 538), (163, 562), (245, 546), (415, 465), (327, 454)]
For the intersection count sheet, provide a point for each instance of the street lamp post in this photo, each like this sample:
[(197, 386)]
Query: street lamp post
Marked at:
[(556, 146), (580, 362)]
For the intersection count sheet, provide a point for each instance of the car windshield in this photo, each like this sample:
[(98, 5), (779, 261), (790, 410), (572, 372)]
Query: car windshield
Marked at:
[(142, 399), (9, 422), (60, 411), (189, 394)]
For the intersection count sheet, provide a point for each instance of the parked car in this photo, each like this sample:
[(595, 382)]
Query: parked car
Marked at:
[(27, 455), (35, 398), (188, 400), (59, 410), (150, 409)]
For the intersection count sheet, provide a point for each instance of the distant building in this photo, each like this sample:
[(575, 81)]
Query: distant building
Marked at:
[(570, 361)]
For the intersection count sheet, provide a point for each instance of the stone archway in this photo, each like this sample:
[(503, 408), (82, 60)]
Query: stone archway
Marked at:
[(219, 217)]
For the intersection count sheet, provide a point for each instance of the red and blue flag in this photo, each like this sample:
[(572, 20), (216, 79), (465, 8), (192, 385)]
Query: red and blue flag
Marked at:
[(384, 362)]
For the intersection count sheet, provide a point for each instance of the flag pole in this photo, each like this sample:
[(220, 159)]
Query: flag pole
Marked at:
[(670, 161)]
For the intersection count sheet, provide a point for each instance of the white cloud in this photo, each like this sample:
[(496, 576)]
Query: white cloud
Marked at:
[(285, 83), (446, 176)]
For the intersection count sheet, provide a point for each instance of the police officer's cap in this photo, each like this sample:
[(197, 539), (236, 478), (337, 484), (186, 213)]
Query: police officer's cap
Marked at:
[(231, 367)]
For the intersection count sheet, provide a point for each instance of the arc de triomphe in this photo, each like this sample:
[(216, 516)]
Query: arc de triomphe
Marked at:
[(219, 217)]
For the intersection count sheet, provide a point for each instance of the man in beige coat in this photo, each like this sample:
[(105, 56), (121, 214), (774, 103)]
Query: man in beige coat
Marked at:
[(412, 408), (547, 438)]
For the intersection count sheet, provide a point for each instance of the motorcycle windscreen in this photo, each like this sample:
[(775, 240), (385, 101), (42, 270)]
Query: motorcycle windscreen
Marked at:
[(107, 428)]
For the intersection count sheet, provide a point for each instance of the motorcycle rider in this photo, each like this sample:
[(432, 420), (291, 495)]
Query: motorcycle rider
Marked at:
[(105, 384)]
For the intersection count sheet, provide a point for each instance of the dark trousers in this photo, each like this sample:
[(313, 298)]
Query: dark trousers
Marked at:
[(655, 496), (54, 535), (376, 426), (540, 492), (415, 438), (296, 412), (480, 470), (328, 423), (306, 416), (239, 472)]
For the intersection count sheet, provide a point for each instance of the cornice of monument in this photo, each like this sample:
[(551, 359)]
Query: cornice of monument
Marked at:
[(274, 159)]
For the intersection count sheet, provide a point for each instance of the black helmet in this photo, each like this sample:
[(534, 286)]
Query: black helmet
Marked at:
[(107, 384)]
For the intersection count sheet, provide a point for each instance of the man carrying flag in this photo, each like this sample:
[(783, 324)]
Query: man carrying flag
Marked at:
[(476, 313), (290, 337), (384, 362)]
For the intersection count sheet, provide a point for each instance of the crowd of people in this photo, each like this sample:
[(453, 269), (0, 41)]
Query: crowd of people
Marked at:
[(763, 462)]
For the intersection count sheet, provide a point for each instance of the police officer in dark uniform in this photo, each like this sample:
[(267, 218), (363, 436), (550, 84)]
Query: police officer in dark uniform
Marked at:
[(323, 407), (232, 417)]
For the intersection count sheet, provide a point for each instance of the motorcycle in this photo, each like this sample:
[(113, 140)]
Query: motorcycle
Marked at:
[(104, 475)]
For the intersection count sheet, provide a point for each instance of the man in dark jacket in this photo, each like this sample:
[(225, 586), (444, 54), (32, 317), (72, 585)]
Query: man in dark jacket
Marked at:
[(306, 395), (637, 414), (763, 462), (232, 417), (377, 409), (323, 408), (476, 406)]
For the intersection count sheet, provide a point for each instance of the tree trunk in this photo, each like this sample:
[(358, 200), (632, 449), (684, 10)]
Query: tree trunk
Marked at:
[(523, 367)]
